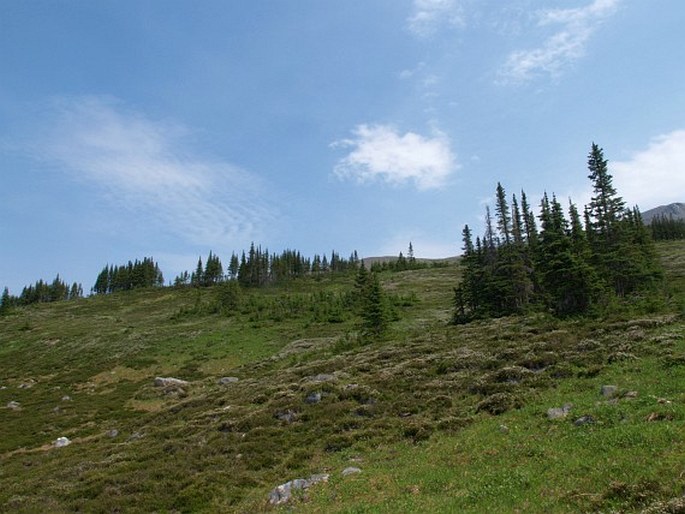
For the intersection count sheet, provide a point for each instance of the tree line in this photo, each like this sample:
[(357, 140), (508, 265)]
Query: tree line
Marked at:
[(133, 275), (41, 292), (258, 267), (569, 266)]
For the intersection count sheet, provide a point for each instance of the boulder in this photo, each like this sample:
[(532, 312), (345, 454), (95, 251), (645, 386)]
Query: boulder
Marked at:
[(228, 380), (283, 493), (60, 442), (13, 405)]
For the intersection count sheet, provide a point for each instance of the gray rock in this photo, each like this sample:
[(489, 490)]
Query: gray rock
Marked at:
[(608, 390), (323, 377), (559, 412), (288, 416), (504, 429), (284, 492), (631, 394), (61, 442), (313, 398), (112, 433), (350, 471), (169, 382), (228, 380), (584, 420), (13, 405), (66, 398)]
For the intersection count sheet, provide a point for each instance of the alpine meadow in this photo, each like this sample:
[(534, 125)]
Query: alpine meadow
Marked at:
[(342, 257), (540, 372)]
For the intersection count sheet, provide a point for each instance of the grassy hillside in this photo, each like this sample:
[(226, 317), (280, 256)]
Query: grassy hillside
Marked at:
[(438, 418)]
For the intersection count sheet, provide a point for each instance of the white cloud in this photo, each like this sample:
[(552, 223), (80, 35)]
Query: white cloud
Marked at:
[(140, 164), (564, 46), (653, 176), (379, 152), (429, 15)]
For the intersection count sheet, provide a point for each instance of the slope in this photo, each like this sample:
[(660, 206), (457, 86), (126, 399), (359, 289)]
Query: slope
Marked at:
[(420, 411)]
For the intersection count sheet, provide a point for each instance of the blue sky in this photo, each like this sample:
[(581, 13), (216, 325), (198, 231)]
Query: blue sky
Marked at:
[(171, 128)]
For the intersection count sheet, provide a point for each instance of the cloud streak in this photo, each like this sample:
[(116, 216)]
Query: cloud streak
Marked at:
[(428, 16), (565, 46), (381, 153), (142, 165)]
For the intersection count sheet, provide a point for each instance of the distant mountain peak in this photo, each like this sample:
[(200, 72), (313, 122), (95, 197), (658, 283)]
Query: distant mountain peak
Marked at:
[(675, 210)]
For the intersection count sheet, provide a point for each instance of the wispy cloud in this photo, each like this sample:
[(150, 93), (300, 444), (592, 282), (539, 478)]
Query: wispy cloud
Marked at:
[(653, 176), (380, 152), (565, 46), (428, 16), (146, 166)]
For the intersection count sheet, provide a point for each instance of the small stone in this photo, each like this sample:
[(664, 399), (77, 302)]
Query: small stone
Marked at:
[(66, 398), (313, 398), (62, 442), (13, 405), (288, 416), (283, 492), (112, 433), (608, 390), (169, 382), (584, 420), (559, 412), (631, 394), (57, 410), (135, 436), (228, 380), (350, 471), (323, 377), (504, 429)]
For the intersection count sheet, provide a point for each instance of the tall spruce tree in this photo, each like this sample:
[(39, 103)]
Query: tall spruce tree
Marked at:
[(503, 215)]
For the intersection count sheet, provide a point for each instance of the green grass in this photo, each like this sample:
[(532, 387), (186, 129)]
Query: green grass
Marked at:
[(420, 411)]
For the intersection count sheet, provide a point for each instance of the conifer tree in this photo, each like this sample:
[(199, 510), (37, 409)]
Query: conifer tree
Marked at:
[(502, 213), (606, 207), (568, 281), (529, 225), (411, 259), (233, 266), (372, 304), (6, 301)]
